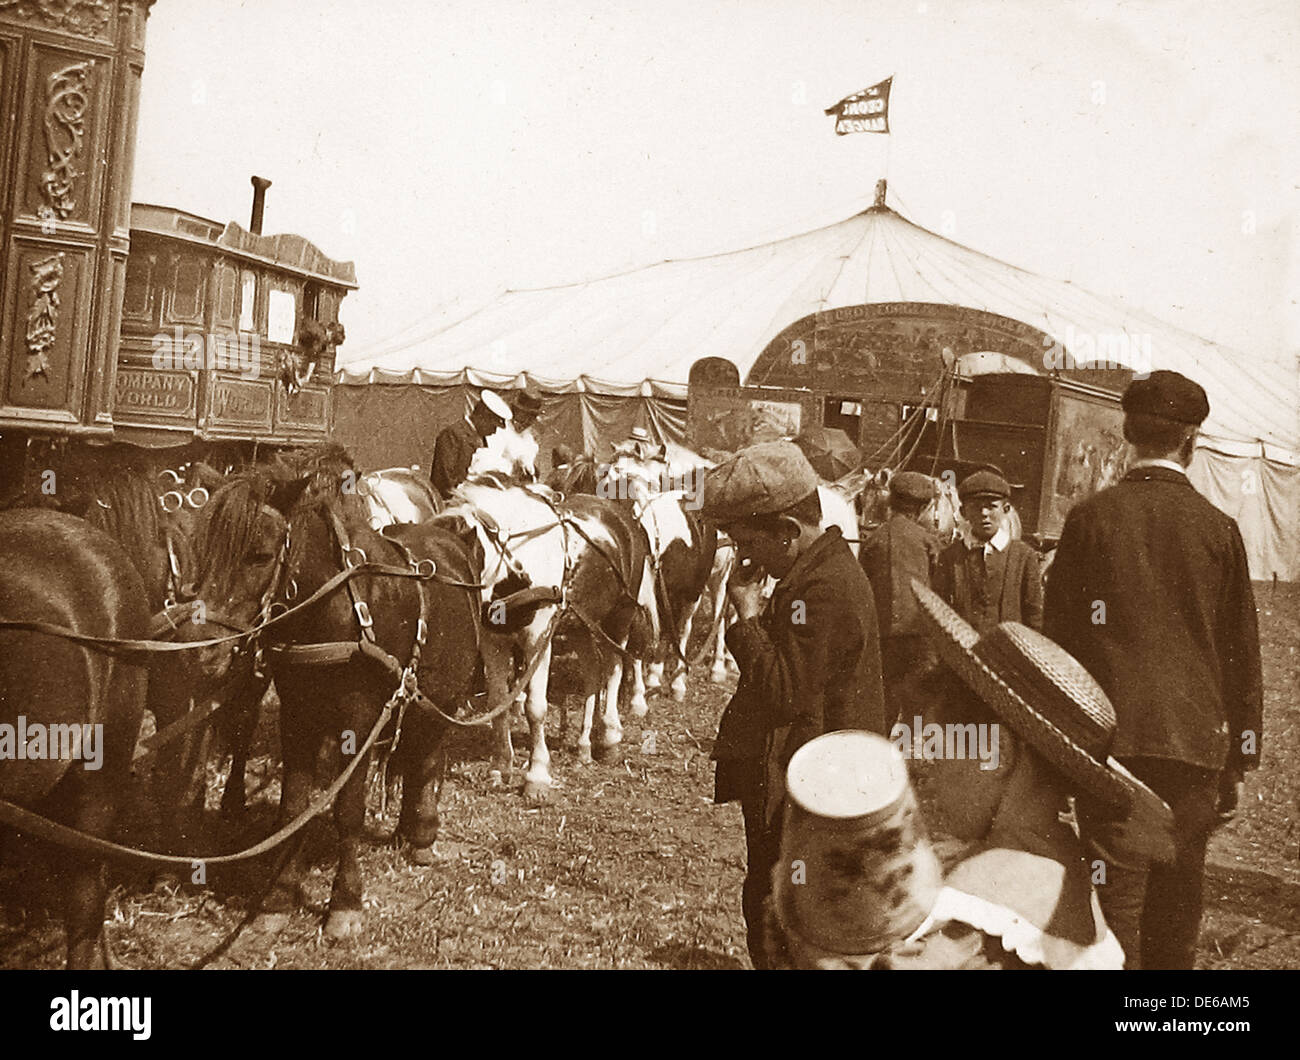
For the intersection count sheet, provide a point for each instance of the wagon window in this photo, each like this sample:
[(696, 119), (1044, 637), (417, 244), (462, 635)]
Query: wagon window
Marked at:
[(247, 300), (281, 316), (139, 276), (844, 413), (187, 292)]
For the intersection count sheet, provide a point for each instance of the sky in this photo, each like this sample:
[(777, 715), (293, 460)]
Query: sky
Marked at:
[(1146, 151)]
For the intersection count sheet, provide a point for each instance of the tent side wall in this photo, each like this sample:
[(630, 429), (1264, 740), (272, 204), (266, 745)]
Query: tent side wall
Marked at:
[(391, 425), (1264, 497)]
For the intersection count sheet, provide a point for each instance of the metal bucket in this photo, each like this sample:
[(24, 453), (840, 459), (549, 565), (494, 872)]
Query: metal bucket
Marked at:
[(857, 871)]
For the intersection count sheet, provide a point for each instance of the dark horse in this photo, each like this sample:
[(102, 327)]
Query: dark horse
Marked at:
[(55, 568), (330, 707), (118, 490)]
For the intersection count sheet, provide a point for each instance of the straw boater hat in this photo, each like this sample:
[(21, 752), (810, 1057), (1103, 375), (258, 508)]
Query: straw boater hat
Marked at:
[(1047, 697)]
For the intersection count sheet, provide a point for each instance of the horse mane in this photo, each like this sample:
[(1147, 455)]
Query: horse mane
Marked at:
[(228, 522), (113, 492), (579, 476), (124, 504)]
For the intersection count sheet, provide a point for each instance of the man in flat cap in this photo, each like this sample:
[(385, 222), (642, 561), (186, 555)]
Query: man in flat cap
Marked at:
[(456, 445), (809, 658), (1150, 590), (903, 547), (987, 577)]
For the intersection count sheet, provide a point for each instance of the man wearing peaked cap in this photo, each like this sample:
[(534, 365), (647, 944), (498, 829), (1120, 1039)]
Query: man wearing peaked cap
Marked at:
[(988, 577), (1169, 396), (1150, 590), (901, 549), (456, 445), (809, 659)]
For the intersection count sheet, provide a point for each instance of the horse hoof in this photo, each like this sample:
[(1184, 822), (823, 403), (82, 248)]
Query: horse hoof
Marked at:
[(679, 693), (640, 708), (344, 924), (718, 675), (423, 856), (270, 923), (584, 754), (536, 792), (606, 751)]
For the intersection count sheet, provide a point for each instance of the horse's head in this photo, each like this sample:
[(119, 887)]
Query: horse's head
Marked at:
[(241, 554)]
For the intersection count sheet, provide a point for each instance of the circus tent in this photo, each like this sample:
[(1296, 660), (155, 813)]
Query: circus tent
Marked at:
[(616, 351)]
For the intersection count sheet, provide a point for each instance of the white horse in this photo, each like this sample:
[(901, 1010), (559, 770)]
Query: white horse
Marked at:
[(524, 545)]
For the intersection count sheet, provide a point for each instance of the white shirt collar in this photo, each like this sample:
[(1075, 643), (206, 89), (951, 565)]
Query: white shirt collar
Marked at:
[(1169, 465), (997, 543)]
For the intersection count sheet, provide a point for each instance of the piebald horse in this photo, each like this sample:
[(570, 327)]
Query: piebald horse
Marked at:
[(539, 551)]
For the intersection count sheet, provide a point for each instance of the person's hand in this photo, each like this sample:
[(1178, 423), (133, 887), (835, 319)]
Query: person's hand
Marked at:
[(746, 594), (1231, 789)]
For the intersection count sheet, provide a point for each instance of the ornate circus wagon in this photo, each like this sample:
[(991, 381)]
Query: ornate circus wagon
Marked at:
[(136, 325)]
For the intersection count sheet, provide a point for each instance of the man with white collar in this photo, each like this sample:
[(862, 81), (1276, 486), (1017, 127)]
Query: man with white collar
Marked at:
[(989, 577), (1151, 591)]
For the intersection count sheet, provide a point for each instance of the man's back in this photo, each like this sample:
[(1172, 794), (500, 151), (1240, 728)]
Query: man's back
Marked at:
[(896, 552), (1151, 591)]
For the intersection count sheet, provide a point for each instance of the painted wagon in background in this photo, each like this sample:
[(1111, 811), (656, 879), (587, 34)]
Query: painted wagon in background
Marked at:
[(932, 388)]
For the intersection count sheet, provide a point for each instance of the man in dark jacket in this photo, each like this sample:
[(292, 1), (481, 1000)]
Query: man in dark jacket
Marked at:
[(1151, 591), (990, 577), (457, 444), (900, 549), (809, 660)]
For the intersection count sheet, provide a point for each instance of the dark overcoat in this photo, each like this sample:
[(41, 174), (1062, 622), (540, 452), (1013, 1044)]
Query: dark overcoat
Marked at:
[(897, 551), (1150, 590), (1012, 591), (452, 454), (809, 665)]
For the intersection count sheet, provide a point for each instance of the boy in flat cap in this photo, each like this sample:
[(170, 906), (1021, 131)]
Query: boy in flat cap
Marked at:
[(901, 549), (989, 577), (456, 445), (809, 659), (1151, 591)]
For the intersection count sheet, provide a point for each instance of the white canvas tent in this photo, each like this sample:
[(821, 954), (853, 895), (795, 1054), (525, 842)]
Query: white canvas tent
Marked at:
[(636, 334)]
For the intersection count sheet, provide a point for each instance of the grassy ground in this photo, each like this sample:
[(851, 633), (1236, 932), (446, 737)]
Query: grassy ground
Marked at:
[(630, 865)]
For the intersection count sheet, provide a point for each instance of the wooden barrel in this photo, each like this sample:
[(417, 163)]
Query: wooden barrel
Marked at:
[(857, 870)]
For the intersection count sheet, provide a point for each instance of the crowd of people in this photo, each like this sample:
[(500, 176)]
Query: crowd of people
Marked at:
[(1126, 693)]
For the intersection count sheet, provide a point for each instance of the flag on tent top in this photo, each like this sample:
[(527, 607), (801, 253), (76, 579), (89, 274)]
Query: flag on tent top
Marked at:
[(865, 111)]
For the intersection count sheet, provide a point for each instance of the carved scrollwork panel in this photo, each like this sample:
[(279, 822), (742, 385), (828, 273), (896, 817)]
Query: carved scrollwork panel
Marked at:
[(43, 315), (64, 122), (85, 17)]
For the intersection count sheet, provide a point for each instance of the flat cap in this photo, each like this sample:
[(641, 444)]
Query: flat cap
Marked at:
[(913, 486), (984, 484), (1169, 395), (761, 480)]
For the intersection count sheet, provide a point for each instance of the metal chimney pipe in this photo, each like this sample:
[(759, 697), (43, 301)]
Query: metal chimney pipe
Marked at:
[(260, 184)]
